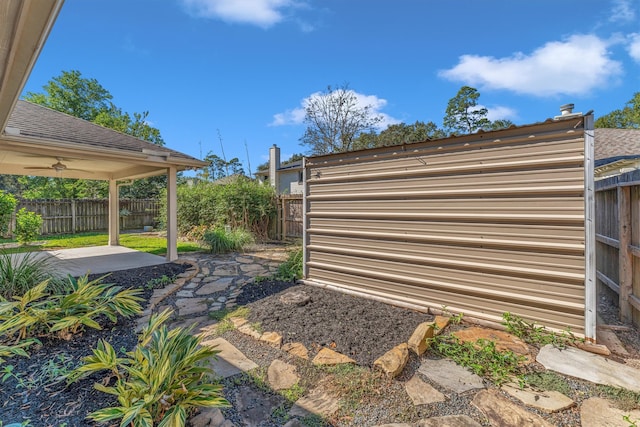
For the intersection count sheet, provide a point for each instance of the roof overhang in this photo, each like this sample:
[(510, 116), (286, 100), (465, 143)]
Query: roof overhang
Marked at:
[(25, 27), (617, 168)]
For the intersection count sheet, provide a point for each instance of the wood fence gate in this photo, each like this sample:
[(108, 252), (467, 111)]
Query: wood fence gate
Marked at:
[(289, 216)]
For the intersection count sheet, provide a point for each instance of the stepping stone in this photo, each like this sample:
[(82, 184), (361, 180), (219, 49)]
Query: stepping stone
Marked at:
[(205, 271), (297, 349), (188, 306), (254, 407), (547, 401), (447, 374), (422, 393), (588, 366), (224, 272), (184, 294), (299, 298), (393, 361), (244, 260), (501, 412), (449, 421), (230, 361), (597, 412), (282, 375), (394, 425), (251, 267), (318, 402), (213, 287), (503, 340), (195, 321), (326, 356)]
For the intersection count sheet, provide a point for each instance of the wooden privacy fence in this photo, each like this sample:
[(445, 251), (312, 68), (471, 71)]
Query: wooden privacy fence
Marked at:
[(67, 216), (618, 240), (289, 216)]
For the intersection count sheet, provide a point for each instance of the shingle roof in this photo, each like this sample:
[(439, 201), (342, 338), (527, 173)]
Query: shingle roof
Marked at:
[(616, 144), (36, 121)]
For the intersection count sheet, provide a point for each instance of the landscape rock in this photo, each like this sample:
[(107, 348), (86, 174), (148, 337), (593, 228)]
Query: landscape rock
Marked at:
[(238, 321), (394, 425), (588, 366), (609, 339), (448, 421), (297, 349), (298, 298), (441, 322), (422, 393), (501, 412), (597, 412), (503, 340), (326, 356), (272, 338), (318, 402), (418, 341), (247, 329), (208, 417), (393, 362), (282, 375), (547, 401), (447, 374)]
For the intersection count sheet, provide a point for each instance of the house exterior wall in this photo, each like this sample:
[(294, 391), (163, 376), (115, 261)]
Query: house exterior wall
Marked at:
[(481, 224), (290, 182)]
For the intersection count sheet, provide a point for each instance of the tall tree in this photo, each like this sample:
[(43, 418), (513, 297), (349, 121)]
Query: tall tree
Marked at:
[(462, 115), (73, 94), (334, 120), (627, 118), (219, 168), (87, 99), (400, 133)]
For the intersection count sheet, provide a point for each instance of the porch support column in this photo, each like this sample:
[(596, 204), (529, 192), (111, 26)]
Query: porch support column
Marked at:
[(172, 215), (114, 209)]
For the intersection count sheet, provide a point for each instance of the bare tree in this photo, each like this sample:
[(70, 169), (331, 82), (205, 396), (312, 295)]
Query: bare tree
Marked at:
[(335, 119)]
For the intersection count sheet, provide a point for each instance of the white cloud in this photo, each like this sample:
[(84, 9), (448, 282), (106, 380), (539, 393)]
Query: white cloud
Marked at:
[(575, 66), (622, 12), (296, 115), (499, 112), (263, 13), (634, 46)]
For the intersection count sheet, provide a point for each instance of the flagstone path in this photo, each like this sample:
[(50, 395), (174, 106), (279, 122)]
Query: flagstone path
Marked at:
[(216, 281)]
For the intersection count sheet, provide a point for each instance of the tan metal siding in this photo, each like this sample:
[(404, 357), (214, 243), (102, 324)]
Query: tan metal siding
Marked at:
[(481, 224)]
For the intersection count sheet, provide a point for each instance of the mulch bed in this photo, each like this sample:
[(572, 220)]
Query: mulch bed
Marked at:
[(37, 393), (362, 329)]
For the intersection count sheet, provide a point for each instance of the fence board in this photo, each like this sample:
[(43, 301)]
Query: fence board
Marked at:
[(68, 216), (618, 228)]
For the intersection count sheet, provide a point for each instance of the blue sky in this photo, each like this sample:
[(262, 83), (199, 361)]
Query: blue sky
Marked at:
[(244, 68)]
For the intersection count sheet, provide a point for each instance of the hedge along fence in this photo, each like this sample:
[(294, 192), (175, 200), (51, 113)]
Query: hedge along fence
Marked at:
[(237, 202), (68, 216), (480, 224)]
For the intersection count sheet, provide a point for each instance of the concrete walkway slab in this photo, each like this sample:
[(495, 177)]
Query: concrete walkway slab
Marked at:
[(588, 366), (97, 259)]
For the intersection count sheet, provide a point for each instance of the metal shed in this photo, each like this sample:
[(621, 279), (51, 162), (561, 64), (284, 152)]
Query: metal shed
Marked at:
[(479, 224)]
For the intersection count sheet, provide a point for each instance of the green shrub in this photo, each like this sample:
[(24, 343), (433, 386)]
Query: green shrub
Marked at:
[(221, 241), (159, 381), (239, 203), (27, 226), (21, 272), (291, 269), (7, 206)]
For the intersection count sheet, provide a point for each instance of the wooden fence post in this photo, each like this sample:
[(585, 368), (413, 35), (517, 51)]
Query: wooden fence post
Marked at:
[(73, 216), (625, 257)]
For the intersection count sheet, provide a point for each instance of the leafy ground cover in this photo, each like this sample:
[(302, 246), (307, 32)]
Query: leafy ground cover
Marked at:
[(35, 389)]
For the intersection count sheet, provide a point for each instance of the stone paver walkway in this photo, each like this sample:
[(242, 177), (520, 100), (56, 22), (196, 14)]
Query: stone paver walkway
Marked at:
[(215, 282)]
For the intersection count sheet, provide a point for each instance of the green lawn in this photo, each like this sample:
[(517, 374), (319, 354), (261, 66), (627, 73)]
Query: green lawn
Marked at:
[(140, 242)]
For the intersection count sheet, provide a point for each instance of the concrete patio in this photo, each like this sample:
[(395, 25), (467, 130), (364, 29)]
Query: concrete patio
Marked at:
[(98, 259)]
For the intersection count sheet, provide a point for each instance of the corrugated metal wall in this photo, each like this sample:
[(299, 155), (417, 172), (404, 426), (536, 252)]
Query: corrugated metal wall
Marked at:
[(481, 224)]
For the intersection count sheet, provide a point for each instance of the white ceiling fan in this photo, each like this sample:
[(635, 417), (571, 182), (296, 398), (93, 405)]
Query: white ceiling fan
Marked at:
[(58, 167)]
